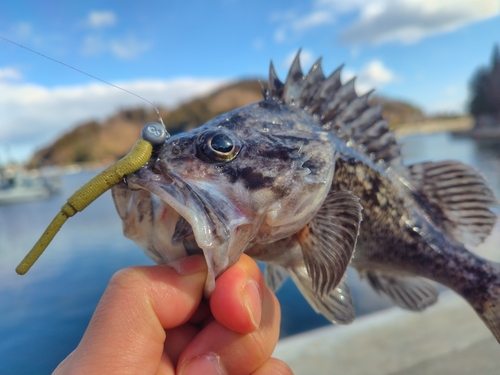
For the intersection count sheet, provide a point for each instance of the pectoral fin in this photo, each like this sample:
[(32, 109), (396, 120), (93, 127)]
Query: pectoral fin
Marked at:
[(409, 293), (336, 306), (328, 241)]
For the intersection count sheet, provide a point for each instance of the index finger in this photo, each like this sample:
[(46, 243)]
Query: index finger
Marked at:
[(127, 331)]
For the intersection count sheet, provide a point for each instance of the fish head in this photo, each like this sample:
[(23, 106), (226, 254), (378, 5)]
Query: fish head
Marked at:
[(256, 174)]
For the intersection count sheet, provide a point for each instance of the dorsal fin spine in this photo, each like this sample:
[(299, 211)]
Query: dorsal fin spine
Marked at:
[(275, 86), (367, 118), (355, 108), (339, 101), (293, 83), (340, 110), (311, 83), (326, 90)]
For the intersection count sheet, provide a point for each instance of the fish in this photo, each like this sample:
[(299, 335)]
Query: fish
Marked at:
[(255, 177), (311, 180)]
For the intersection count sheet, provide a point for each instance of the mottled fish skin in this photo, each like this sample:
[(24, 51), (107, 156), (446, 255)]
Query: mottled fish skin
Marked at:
[(190, 199), (312, 153), (416, 219)]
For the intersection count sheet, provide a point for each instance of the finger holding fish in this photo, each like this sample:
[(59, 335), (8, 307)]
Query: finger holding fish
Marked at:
[(287, 180)]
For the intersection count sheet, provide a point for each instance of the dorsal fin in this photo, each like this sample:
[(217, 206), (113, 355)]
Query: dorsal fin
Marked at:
[(293, 83), (311, 84), (275, 86), (325, 90), (456, 197), (338, 102), (339, 108), (355, 108)]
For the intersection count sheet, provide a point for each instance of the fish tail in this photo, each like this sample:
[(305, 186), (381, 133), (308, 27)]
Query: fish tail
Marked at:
[(489, 310), (490, 314), (487, 304)]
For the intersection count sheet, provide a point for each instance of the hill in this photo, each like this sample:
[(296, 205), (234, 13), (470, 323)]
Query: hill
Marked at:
[(105, 142), (398, 112)]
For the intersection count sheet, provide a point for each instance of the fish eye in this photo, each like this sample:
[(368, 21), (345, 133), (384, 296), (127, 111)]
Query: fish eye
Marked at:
[(218, 146), (222, 143)]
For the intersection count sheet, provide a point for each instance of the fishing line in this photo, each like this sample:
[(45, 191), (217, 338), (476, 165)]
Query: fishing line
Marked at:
[(152, 136), (87, 74)]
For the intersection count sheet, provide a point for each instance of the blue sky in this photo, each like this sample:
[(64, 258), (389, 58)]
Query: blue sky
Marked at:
[(422, 51)]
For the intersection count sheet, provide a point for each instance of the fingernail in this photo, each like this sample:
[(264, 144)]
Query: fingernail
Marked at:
[(253, 301), (207, 364), (189, 265)]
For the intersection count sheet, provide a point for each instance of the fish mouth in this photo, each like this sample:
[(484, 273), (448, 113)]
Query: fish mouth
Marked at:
[(171, 218)]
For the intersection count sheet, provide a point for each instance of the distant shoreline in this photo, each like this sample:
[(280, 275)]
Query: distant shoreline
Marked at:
[(458, 124)]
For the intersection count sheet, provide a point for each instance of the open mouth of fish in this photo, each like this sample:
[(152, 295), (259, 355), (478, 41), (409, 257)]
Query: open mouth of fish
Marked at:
[(169, 218)]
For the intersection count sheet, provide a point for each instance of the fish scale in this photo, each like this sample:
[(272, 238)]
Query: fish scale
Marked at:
[(315, 183)]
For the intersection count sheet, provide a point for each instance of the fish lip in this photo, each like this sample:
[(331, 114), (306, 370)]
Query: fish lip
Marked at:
[(213, 217), (184, 199)]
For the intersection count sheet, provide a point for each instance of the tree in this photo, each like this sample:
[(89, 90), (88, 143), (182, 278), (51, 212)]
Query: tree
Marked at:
[(485, 88)]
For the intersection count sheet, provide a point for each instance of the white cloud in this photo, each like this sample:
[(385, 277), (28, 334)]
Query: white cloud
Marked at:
[(258, 44), (291, 24), (314, 19), (10, 74), (341, 6), (283, 15), (93, 45), (376, 73), (125, 48), (373, 75), (33, 115), (408, 21), (129, 47), (22, 30), (24, 33), (450, 99), (380, 21), (99, 19), (280, 35)]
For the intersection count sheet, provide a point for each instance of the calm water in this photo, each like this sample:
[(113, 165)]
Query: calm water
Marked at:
[(44, 313)]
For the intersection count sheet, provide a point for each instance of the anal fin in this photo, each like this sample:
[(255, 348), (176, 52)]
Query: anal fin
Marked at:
[(275, 276), (407, 292), (336, 306)]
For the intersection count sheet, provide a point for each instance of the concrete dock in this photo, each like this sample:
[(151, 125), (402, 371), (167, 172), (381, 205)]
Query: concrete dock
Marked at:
[(446, 339)]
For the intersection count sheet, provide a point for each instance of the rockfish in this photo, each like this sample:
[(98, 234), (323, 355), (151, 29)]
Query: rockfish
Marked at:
[(287, 181)]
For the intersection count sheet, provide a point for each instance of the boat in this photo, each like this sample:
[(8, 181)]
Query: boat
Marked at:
[(18, 185)]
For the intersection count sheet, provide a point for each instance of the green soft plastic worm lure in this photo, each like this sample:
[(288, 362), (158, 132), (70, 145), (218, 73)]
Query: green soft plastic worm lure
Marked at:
[(153, 135)]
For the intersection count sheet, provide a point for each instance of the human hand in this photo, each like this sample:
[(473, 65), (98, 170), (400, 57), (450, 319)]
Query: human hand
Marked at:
[(153, 320)]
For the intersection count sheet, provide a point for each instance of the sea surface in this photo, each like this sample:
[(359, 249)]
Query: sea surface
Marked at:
[(43, 314)]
